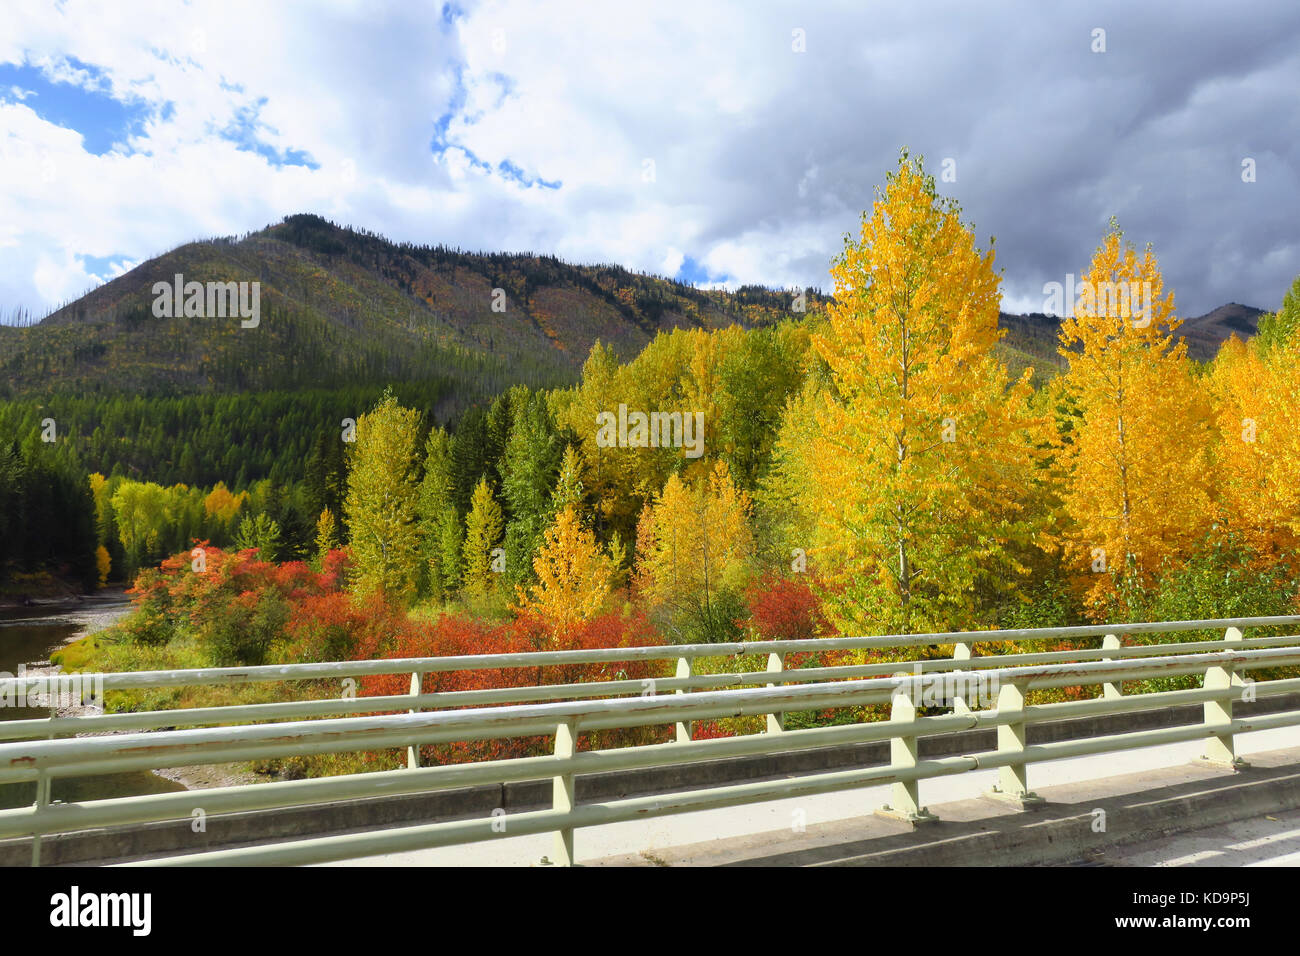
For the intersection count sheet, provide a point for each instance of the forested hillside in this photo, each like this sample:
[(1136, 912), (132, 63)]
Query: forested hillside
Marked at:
[(342, 307), (197, 426)]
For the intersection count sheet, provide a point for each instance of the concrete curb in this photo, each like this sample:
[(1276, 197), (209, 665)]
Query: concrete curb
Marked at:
[(1063, 833)]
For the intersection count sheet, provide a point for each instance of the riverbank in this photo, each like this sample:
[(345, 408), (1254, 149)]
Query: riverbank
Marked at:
[(72, 603), (43, 589), (90, 615)]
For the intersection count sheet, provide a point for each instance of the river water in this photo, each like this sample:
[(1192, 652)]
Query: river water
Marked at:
[(28, 636)]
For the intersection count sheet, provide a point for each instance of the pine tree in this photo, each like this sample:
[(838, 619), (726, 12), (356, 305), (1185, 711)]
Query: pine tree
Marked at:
[(530, 464), (439, 521), (470, 460)]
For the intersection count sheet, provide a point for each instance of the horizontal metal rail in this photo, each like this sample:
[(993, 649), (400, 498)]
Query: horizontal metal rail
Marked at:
[(452, 833), (136, 680), (112, 753), (283, 710), (351, 704), (179, 805), (1221, 663)]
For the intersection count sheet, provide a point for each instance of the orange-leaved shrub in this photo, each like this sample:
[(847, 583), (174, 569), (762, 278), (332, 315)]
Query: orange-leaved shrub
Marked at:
[(457, 635), (241, 610)]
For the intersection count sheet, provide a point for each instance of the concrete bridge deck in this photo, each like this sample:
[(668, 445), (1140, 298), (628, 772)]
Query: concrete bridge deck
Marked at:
[(1147, 795)]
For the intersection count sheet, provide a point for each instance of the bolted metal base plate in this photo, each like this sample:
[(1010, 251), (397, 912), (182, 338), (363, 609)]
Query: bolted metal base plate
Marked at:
[(923, 818), (1024, 801), (1236, 764)]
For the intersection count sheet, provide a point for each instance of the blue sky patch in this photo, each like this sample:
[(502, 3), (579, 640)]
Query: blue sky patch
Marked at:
[(507, 168), (89, 109), (692, 273), (102, 266), (243, 132)]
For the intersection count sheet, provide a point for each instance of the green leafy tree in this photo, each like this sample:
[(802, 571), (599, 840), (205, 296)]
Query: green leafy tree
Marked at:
[(261, 533), (141, 512), (440, 529), (531, 464), (1278, 327), (483, 530), (381, 501)]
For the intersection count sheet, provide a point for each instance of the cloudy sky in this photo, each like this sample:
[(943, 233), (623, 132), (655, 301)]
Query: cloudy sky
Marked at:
[(716, 142)]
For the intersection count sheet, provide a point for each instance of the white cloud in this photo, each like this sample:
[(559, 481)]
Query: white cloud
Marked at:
[(763, 157)]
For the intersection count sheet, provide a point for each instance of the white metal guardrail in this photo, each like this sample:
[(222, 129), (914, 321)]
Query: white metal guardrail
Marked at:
[(561, 711), (686, 679)]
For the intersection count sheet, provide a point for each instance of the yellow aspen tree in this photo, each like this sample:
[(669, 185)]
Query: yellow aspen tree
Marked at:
[(326, 533), (222, 505), (784, 496), (695, 539), (701, 382), (675, 375), (1133, 456), (103, 564), (910, 466), (573, 575), (641, 579), (1256, 394)]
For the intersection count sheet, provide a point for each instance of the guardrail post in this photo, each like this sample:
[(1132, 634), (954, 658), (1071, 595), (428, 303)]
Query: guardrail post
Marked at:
[(1013, 779), (563, 794), (775, 722), (905, 795), (413, 751), (42, 801), (683, 727), (1111, 690), (1233, 635), (1220, 747), (960, 652)]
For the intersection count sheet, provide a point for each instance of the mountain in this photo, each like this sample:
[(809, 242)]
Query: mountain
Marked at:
[(343, 306), (1032, 339), (1205, 333)]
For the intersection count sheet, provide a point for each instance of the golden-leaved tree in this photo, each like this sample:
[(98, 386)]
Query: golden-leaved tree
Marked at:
[(327, 533), (908, 468), (573, 575), (694, 540), (1256, 393), (1133, 451)]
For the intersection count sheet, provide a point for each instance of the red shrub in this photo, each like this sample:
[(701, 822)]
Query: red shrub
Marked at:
[(709, 730), (247, 610), (785, 609), (457, 635)]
